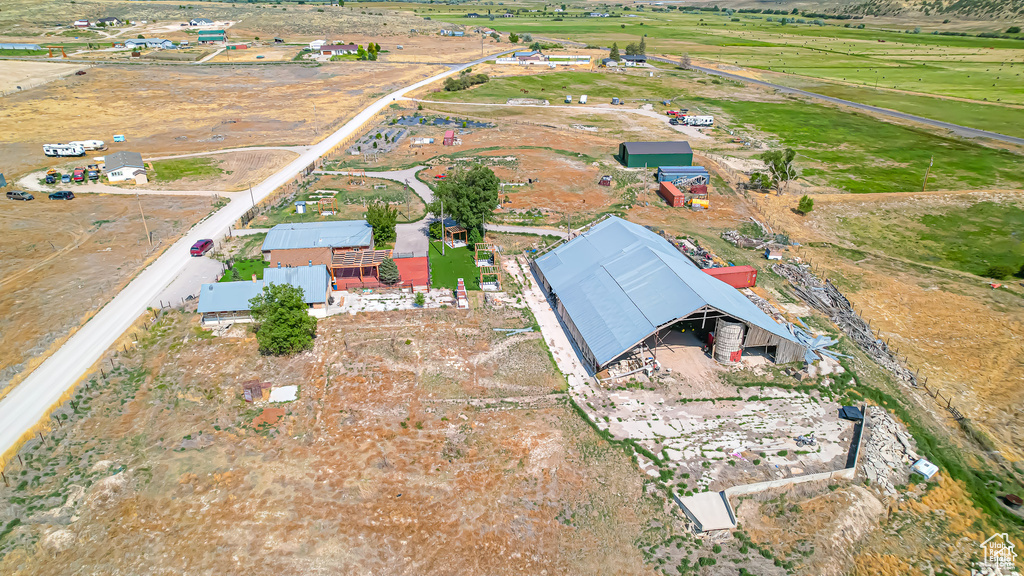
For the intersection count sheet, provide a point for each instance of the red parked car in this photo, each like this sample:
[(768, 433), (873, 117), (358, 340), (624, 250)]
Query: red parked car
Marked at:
[(79, 175), (201, 247)]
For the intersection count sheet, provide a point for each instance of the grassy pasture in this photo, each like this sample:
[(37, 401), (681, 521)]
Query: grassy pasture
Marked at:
[(861, 154), (554, 86), (171, 170), (971, 239), (966, 67)]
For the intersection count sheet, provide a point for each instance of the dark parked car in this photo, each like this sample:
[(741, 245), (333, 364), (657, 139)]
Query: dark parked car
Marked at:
[(674, 122), (63, 195), (201, 247), (19, 195)]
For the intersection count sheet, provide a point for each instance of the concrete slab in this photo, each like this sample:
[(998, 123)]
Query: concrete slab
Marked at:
[(197, 271)]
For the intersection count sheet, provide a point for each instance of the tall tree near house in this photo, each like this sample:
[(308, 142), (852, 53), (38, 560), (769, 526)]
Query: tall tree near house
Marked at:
[(283, 325), (642, 48), (469, 196), (614, 54), (382, 217)]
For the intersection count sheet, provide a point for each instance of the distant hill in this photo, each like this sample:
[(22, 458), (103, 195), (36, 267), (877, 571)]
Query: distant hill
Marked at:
[(994, 9)]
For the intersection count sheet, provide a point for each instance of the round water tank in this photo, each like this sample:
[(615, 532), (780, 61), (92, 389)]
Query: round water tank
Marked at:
[(728, 341)]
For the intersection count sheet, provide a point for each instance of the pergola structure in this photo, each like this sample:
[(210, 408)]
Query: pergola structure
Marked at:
[(454, 231), (59, 48), (327, 205), (488, 260), (358, 265), (358, 176)]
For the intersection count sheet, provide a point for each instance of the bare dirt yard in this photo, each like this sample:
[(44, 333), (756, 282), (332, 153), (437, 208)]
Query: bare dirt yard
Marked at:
[(184, 110), (386, 462), (64, 260), (28, 75)]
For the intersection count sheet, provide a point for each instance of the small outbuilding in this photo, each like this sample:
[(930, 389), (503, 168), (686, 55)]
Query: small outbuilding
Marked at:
[(655, 154), (123, 165)]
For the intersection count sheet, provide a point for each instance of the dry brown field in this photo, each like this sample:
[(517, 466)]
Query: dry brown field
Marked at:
[(176, 109), (398, 456), (65, 260)]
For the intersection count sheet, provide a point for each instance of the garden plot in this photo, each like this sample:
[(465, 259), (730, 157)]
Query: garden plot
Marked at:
[(726, 441)]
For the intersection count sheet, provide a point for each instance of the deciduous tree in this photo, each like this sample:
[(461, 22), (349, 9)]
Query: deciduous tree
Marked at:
[(469, 197), (283, 325), (382, 217)]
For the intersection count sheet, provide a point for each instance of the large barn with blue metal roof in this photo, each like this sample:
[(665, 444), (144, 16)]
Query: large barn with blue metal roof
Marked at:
[(618, 284)]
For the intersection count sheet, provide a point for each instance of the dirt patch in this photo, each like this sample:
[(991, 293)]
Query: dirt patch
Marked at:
[(64, 260), (268, 417)]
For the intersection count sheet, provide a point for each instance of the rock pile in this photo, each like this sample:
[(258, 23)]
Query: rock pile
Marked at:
[(888, 451)]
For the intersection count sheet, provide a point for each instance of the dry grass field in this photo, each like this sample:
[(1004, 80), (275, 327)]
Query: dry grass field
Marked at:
[(183, 110), (228, 172), (381, 466), (65, 260)]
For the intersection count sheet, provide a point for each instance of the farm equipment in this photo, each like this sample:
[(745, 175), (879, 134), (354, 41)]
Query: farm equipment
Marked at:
[(806, 440)]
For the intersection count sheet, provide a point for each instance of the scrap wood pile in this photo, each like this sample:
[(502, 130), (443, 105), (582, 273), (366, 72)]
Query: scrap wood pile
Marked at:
[(825, 298), (736, 239)]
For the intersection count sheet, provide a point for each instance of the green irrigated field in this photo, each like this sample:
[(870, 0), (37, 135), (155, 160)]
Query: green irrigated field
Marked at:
[(920, 64), (554, 86), (171, 170), (860, 154), (980, 239), (965, 67)]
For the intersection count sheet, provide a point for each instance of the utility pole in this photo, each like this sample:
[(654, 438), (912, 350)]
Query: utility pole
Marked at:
[(443, 231), (251, 197), (316, 125), (924, 186), (144, 225)]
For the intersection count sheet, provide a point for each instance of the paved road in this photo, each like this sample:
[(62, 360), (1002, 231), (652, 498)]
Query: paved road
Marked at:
[(31, 400), (955, 128)]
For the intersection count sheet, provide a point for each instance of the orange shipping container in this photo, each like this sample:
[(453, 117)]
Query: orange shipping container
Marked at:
[(671, 194), (735, 276)]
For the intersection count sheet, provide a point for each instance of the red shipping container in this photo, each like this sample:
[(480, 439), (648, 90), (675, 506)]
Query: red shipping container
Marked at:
[(735, 276), (699, 189), (671, 194)]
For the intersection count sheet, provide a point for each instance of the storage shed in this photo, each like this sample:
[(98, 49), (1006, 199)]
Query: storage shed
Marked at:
[(655, 154)]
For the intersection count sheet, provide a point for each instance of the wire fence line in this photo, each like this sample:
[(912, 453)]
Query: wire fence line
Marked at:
[(900, 358)]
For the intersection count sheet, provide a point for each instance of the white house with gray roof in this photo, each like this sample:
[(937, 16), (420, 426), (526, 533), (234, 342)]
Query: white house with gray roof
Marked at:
[(123, 165)]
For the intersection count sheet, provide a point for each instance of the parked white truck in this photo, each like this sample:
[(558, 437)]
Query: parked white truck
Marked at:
[(63, 149), (90, 144)]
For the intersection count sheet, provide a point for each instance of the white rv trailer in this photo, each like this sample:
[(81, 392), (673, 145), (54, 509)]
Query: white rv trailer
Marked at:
[(64, 149), (90, 144)]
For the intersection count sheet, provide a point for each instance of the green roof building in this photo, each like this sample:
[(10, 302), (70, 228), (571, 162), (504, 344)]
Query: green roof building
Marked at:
[(655, 154)]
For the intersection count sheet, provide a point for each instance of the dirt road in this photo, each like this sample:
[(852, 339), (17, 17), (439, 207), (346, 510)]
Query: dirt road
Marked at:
[(30, 402)]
